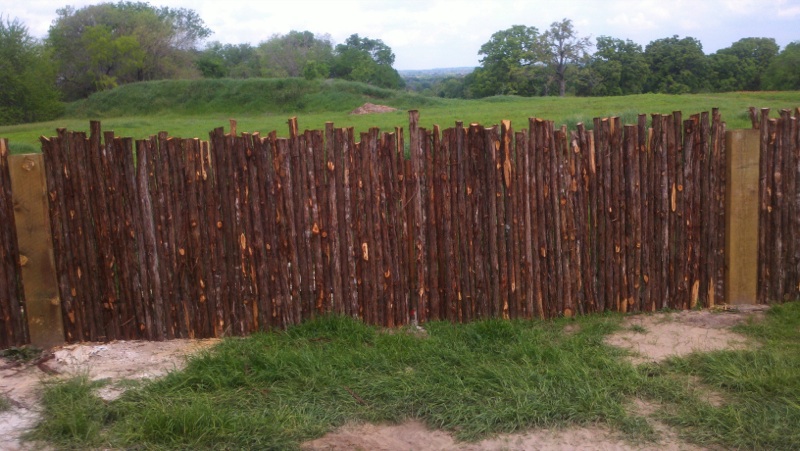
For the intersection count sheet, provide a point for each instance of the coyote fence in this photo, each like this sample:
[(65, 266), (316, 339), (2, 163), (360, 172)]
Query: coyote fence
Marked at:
[(170, 237), (13, 323), (779, 201)]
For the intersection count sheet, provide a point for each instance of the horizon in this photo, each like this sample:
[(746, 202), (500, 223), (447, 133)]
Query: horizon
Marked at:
[(422, 40)]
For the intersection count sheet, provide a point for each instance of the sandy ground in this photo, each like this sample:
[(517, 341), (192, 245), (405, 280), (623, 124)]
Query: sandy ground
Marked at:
[(371, 108), (650, 337), (116, 361)]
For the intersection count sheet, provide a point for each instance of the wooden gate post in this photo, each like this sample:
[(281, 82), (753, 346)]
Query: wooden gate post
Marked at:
[(741, 218), (36, 250)]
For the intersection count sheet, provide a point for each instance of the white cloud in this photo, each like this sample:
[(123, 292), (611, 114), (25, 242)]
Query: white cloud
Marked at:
[(423, 33), (633, 22), (742, 6), (789, 11)]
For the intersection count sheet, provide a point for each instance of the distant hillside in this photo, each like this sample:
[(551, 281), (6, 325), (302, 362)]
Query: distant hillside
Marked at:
[(440, 72), (235, 96)]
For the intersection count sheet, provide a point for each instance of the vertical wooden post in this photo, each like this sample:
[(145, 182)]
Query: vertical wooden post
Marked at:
[(419, 214), (36, 250), (42, 309), (741, 222)]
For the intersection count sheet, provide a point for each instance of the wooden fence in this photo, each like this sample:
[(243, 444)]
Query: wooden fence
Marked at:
[(779, 219), (13, 320), (188, 238)]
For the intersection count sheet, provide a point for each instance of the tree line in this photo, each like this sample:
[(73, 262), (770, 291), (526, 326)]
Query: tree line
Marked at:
[(303, 54), (523, 61), (102, 46)]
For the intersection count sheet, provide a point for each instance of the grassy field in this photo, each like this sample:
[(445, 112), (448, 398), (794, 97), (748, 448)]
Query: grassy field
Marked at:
[(275, 390), (191, 108)]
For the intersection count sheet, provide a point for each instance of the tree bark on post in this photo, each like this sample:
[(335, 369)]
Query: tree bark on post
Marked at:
[(463, 184), (14, 321), (421, 301), (721, 198), (764, 171), (431, 224), (334, 171), (646, 202), (540, 258), (401, 183), (491, 147)]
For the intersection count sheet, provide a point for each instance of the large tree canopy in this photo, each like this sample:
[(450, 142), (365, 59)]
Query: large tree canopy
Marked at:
[(617, 67), (741, 66), (27, 81), (677, 66), (366, 60), (291, 55), (783, 71), (103, 45), (521, 61), (511, 64), (219, 60), (303, 54)]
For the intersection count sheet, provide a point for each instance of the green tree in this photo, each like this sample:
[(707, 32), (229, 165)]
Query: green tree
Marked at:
[(111, 57), (219, 60), (783, 73), (27, 81), (366, 60), (742, 65), (137, 42), (521, 61), (512, 63), (563, 49), (617, 67), (451, 87), (315, 69), (677, 66), (288, 55)]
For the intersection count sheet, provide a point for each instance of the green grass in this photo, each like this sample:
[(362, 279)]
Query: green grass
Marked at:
[(191, 108), (5, 404), (761, 387), (276, 390), (212, 96), (74, 413), (638, 328), (21, 353)]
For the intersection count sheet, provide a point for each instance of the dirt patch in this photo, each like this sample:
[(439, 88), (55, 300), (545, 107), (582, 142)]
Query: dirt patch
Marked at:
[(655, 337), (668, 437), (115, 361), (572, 329), (413, 435), (371, 108)]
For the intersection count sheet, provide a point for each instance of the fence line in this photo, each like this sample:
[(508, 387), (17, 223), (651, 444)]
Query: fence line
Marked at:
[(190, 238), (13, 318), (779, 218)]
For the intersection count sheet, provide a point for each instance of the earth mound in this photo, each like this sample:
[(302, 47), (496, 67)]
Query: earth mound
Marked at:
[(370, 108)]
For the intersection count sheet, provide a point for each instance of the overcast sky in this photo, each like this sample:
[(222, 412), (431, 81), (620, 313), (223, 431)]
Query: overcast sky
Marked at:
[(426, 34)]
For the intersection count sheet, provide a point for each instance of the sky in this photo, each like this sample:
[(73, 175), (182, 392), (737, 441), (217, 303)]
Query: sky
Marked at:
[(432, 34)]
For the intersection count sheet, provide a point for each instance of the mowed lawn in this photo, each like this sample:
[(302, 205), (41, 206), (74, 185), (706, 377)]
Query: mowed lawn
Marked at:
[(141, 113)]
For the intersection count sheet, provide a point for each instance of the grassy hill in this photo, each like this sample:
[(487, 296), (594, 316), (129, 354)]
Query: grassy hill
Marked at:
[(191, 108), (232, 96)]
